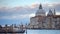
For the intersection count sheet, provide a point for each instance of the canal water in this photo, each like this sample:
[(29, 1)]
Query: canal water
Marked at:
[(39, 32), (43, 32)]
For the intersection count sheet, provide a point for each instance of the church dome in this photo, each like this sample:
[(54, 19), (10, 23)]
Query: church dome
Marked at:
[(50, 13), (40, 12)]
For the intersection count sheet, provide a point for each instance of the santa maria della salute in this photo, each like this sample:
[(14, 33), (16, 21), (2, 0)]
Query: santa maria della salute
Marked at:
[(43, 21)]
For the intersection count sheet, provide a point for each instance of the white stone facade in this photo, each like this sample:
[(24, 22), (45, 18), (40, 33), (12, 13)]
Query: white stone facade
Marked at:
[(51, 21)]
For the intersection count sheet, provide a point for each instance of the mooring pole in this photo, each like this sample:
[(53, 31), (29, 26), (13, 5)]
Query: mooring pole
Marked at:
[(26, 28)]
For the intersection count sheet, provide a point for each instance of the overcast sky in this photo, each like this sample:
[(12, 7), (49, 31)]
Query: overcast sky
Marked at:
[(17, 11)]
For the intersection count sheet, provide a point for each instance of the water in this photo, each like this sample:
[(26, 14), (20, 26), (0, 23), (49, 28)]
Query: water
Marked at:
[(40, 32), (43, 32)]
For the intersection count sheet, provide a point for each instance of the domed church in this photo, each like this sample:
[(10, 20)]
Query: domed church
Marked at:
[(40, 12), (43, 21)]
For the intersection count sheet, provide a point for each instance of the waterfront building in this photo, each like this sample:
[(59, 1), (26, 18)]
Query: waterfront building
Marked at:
[(43, 21)]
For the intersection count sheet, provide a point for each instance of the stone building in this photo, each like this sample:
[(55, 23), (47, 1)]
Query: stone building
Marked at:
[(43, 21)]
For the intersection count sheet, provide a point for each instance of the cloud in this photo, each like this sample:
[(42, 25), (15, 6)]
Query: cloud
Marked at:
[(51, 6), (20, 12), (17, 16)]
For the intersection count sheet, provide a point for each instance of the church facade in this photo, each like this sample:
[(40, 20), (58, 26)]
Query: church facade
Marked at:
[(43, 21)]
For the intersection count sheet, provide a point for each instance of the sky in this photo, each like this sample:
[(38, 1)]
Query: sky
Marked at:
[(20, 11)]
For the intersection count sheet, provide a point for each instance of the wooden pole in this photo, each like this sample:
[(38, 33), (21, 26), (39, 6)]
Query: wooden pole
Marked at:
[(26, 28)]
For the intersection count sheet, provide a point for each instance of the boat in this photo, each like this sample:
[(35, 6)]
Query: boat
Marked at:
[(19, 31), (14, 30)]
